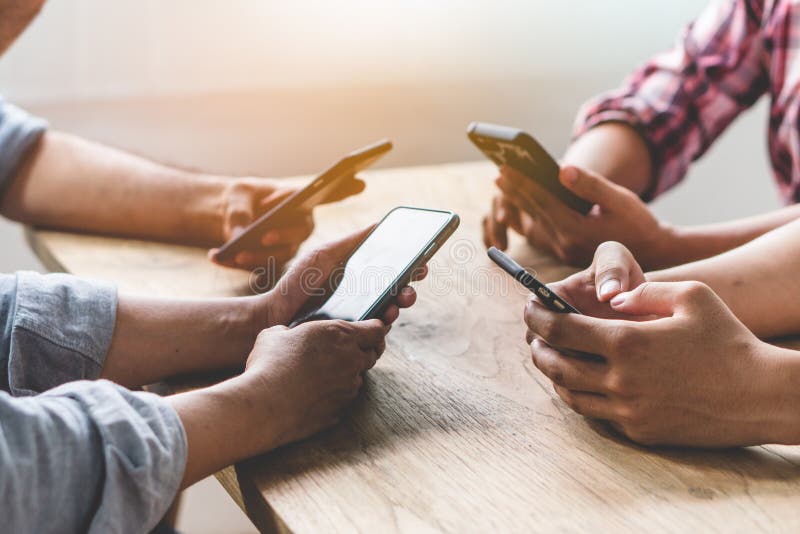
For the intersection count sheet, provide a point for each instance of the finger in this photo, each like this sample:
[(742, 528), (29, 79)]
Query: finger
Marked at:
[(487, 231), (369, 358), (509, 215), (530, 335), (540, 230), (313, 270), (311, 273), (349, 187), (549, 206), (659, 298), (587, 404), (612, 265), (519, 198), (580, 333), (238, 213), (391, 314), (485, 227), (498, 233), (592, 187), (536, 234), (273, 256), (419, 273), (406, 297), (568, 372), (274, 196), (294, 234), (369, 334)]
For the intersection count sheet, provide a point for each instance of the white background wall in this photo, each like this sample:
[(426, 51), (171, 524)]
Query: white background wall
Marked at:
[(91, 48)]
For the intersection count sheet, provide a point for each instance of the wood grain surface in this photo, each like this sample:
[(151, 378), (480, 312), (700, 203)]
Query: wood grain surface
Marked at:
[(456, 430)]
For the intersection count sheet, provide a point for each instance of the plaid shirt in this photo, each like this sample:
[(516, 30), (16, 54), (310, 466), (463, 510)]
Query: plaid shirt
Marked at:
[(681, 100)]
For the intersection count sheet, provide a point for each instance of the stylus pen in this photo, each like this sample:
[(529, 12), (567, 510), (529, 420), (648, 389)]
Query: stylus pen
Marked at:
[(553, 301)]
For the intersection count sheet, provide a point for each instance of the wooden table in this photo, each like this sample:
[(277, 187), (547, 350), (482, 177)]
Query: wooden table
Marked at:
[(456, 430)]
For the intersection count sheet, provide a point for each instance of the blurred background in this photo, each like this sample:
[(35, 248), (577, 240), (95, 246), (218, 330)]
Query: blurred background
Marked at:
[(283, 88)]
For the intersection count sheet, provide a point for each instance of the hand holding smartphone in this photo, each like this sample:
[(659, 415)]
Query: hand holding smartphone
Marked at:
[(520, 151), (305, 199), (383, 263)]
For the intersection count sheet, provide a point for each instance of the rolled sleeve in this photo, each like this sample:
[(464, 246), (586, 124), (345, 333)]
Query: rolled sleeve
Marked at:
[(18, 133), (682, 100), (98, 457), (58, 329)]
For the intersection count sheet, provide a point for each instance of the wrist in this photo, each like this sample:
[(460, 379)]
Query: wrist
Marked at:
[(210, 416), (662, 249), (258, 404), (780, 384), (204, 208), (261, 312)]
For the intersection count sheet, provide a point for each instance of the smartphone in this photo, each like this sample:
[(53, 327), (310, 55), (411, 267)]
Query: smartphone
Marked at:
[(384, 262), (520, 151), (548, 297), (305, 199)]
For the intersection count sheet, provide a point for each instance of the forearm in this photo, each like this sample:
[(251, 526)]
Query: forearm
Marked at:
[(616, 151), (757, 280), (692, 243), (67, 182), (619, 153), (224, 424), (159, 338)]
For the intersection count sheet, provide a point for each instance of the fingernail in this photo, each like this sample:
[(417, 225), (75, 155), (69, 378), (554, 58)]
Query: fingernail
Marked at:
[(609, 286), (569, 175), (619, 300)]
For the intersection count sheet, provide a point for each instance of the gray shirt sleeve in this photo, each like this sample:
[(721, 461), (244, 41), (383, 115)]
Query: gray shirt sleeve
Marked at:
[(56, 328), (18, 133), (88, 457), (85, 456), (105, 458)]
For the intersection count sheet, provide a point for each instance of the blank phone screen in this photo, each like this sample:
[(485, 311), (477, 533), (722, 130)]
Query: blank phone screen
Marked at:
[(387, 253)]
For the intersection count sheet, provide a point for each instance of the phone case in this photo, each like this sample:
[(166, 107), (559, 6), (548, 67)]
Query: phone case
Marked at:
[(517, 149)]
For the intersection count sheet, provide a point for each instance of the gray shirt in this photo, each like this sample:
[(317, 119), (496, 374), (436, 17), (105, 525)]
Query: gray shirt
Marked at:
[(76, 454)]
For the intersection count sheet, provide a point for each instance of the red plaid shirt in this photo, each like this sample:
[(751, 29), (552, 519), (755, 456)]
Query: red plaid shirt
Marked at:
[(681, 100)]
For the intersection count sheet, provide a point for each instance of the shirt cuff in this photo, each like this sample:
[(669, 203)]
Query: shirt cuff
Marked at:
[(61, 331), (19, 131)]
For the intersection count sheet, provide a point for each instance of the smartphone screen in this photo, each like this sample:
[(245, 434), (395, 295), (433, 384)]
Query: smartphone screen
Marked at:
[(405, 238)]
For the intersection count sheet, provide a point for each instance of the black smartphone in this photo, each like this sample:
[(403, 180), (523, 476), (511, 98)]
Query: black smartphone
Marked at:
[(384, 262), (520, 151), (545, 294), (305, 199)]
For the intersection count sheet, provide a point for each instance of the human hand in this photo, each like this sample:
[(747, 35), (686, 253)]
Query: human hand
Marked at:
[(547, 223), (695, 375), (309, 278), (503, 216), (305, 377), (247, 199), (613, 270)]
